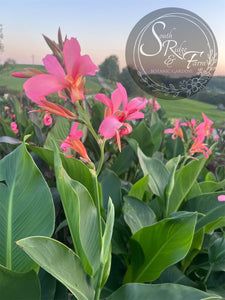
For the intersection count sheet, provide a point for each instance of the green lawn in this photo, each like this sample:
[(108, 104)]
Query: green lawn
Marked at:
[(12, 83), (16, 84), (185, 108)]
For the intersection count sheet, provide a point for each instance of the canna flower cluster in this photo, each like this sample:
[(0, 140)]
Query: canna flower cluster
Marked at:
[(114, 124), (14, 127), (198, 134), (73, 141), (64, 73)]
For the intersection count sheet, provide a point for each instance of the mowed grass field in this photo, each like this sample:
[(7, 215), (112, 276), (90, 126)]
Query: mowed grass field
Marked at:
[(185, 108), (16, 84)]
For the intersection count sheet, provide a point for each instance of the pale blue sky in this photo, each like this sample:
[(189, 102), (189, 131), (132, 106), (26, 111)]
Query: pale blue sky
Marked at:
[(102, 27)]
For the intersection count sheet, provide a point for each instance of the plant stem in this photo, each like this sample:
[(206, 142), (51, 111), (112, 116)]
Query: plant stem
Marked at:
[(98, 197), (87, 120), (101, 158), (98, 206), (98, 289), (208, 273), (101, 267)]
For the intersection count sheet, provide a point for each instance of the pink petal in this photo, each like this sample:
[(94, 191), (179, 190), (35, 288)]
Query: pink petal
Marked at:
[(87, 67), (102, 98), (125, 131), (42, 85), (177, 123), (53, 66), (109, 126), (47, 119), (150, 101), (117, 98), (136, 104), (221, 198), (183, 124), (169, 130), (123, 93), (71, 55), (135, 115), (74, 133), (206, 120), (193, 122)]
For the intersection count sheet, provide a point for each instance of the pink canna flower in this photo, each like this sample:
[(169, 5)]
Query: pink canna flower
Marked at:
[(73, 141), (14, 127), (198, 146), (205, 128), (154, 104), (57, 80), (216, 137), (221, 198), (47, 119), (176, 131), (113, 125)]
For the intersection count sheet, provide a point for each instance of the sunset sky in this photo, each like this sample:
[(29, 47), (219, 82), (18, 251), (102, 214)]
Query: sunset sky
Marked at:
[(101, 27)]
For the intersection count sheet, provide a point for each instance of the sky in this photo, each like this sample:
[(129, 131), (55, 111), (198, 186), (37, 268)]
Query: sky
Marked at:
[(101, 27)]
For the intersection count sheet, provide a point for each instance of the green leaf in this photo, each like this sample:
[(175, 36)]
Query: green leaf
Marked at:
[(143, 136), (115, 278), (213, 211), (61, 262), (48, 285), (111, 187), (217, 255), (174, 147), (165, 291), (211, 186), (26, 207), (75, 168), (156, 131), (184, 180), (139, 188), (220, 172), (159, 246), (21, 117), (121, 236), (106, 242), (171, 182), (9, 140), (158, 175), (174, 275), (137, 214), (194, 250), (19, 286), (81, 215), (194, 191), (107, 236), (210, 177), (123, 160), (59, 131)]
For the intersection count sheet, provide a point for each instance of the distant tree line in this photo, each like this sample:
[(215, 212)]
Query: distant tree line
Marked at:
[(214, 93), (210, 97), (109, 69)]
